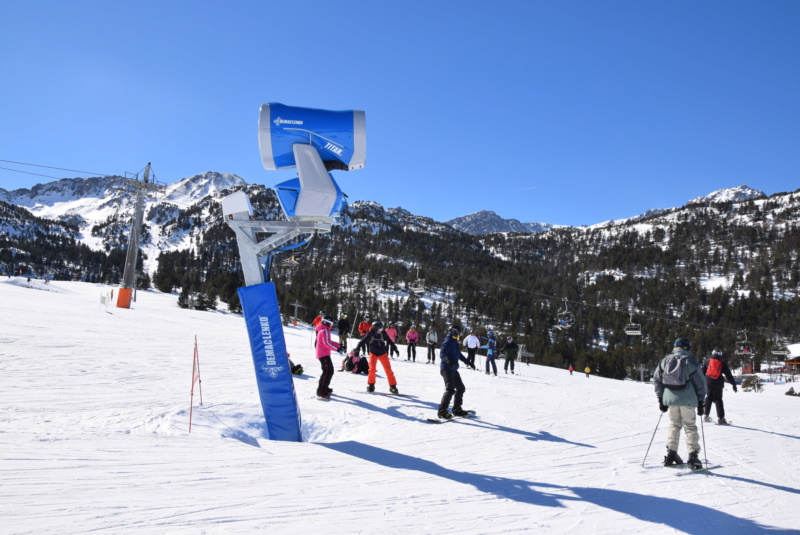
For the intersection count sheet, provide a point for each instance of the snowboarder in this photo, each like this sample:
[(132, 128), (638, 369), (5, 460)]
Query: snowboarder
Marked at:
[(680, 388), (716, 371), (412, 337), (391, 332), (431, 338), (449, 355), (344, 330), (324, 347), (491, 352), (510, 351), (472, 344), (378, 343)]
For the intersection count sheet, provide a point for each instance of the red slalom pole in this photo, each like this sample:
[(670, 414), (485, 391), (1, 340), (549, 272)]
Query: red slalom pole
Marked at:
[(195, 379)]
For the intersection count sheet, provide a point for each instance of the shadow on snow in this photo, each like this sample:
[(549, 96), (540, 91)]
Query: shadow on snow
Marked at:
[(680, 515)]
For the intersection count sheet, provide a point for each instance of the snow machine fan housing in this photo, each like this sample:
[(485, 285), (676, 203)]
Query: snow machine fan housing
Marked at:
[(315, 141)]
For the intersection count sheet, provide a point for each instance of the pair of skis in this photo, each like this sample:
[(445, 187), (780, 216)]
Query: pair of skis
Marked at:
[(685, 472)]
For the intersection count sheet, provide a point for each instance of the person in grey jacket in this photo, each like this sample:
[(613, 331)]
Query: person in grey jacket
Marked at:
[(431, 338), (681, 388)]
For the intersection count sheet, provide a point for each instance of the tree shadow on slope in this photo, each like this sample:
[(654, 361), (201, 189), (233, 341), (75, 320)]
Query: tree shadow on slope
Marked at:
[(680, 515)]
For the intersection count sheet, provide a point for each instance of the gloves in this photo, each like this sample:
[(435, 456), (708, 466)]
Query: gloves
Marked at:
[(734, 389), (661, 406), (340, 351), (473, 367), (699, 408)]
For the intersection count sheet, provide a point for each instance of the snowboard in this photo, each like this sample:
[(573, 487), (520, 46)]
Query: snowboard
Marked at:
[(470, 414)]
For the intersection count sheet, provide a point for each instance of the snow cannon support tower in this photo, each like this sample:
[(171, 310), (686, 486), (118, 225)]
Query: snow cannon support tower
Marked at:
[(315, 142)]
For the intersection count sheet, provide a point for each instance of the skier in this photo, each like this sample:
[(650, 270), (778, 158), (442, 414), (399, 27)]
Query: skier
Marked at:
[(716, 371), (344, 330), (378, 343), (412, 337), (391, 332), (472, 343), (431, 338), (491, 350), (570, 369), (324, 347), (587, 370), (680, 388), (449, 355), (510, 351)]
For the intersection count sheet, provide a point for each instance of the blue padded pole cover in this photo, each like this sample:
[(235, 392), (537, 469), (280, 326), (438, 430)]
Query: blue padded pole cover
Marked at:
[(273, 376)]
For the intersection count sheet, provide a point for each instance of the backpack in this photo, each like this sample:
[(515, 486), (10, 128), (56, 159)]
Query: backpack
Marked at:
[(674, 375), (714, 368)]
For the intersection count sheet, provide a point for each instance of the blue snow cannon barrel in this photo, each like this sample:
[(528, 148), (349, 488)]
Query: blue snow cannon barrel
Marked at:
[(339, 137), (315, 142)]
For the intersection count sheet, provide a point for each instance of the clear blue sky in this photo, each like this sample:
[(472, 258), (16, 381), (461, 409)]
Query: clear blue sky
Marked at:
[(567, 112)]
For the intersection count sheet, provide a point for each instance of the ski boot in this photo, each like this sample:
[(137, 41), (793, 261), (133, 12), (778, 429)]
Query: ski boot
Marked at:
[(706, 418), (694, 461), (722, 421), (487, 373), (672, 458), (444, 415), (393, 389), (370, 387), (458, 411)]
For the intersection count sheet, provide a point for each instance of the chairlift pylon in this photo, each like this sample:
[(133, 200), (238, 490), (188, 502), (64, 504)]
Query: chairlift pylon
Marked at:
[(780, 348)]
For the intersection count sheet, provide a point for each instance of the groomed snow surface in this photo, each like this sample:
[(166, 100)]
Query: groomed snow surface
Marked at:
[(94, 417)]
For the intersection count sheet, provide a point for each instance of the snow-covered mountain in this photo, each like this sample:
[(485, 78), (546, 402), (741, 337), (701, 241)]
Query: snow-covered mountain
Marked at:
[(737, 194), (101, 208), (488, 222)]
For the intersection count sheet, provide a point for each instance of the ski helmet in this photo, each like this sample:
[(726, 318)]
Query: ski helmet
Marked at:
[(378, 326), (683, 342), (509, 339), (490, 334), (455, 330), (328, 320), (716, 353), (413, 326)]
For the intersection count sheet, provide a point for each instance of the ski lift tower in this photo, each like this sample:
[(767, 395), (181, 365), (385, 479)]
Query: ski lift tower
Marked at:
[(315, 142), (142, 187)]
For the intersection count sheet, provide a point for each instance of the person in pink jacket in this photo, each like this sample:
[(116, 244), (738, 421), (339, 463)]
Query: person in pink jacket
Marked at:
[(391, 332), (324, 347), (412, 337)]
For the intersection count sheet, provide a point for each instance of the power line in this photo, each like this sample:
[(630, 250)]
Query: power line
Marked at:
[(50, 167), (29, 173)]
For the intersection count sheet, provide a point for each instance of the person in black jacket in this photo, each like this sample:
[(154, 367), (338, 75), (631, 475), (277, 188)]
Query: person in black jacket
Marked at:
[(716, 371), (378, 343), (344, 330), (510, 351)]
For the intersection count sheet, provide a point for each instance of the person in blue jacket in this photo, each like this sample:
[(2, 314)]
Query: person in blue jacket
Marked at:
[(449, 355), (491, 347)]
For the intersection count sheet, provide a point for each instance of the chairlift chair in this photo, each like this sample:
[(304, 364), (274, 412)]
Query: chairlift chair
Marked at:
[(633, 329), (565, 319), (744, 347), (779, 348)]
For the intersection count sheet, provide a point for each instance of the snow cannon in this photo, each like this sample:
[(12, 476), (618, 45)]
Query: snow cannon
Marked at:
[(315, 142)]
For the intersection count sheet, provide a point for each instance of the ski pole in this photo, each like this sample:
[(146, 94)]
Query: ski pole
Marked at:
[(651, 439), (703, 433)]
